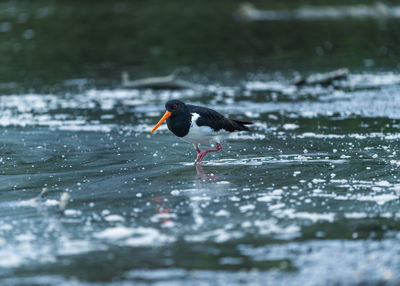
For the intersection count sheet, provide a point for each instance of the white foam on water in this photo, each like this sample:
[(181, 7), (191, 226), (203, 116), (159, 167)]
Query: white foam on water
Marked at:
[(28, 236), (317, 181), (252, 114), (8, 259), (387, 136), (270, 86), (157, 274), (114, 218), (330, 262), (314, 217), (383, 183), (77, 246), (200, 198), (37, 202), (379, 199), (267, 198), (224, 213), (230, 162), (146, 236), (339, 181), (244, 136), (218, 236), (73, 212), (115, 233), (271, 227), (258, 161), (161, 217), (355, 215), (246, 208), (290, 126), (371, 80), (319, 136), (274, 195), (88, 128)]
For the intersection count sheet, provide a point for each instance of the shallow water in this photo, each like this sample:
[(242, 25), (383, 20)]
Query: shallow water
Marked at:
[(310, 196)]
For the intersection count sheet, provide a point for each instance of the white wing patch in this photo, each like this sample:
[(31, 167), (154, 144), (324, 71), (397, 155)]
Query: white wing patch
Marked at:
[(203, 134), (195, 116)]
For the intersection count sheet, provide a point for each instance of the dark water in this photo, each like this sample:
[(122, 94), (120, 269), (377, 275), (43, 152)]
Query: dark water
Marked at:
[(309, 197)]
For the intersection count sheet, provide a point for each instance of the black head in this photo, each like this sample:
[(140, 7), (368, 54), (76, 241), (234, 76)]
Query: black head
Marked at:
[(175, 106), (176, 110)]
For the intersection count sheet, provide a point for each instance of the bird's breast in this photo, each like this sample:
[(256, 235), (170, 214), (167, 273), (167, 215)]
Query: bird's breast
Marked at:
[(179, 125)]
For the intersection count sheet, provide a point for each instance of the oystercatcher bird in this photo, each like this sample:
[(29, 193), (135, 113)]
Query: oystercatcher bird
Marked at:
[(199, 125)]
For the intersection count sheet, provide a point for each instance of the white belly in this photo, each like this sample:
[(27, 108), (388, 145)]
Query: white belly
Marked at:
[(204, 134)]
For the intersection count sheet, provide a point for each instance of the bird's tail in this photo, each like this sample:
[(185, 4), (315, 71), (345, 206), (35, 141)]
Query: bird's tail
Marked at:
[(241, 125)]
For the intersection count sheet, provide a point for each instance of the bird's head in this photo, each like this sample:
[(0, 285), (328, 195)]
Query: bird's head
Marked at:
[(172, 107)]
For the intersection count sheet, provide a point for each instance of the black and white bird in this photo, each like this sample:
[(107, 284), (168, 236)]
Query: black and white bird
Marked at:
[(199, 125)]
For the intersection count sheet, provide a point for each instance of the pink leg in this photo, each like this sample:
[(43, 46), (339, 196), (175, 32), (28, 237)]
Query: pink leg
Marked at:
[(201, 154)]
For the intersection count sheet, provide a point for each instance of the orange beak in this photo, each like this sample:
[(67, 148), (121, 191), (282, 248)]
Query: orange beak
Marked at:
[(166, 115)]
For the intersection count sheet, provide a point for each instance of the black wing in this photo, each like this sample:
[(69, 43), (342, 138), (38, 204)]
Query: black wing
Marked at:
[(217, 121)]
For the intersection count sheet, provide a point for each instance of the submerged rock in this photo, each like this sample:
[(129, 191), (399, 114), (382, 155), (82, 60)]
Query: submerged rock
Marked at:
[(322, 78)]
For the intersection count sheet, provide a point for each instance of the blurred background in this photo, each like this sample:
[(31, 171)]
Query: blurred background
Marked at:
[(310, 196), (44, 43)]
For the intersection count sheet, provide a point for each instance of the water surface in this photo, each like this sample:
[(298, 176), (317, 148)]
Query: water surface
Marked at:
[(312, 191), (310, 196)]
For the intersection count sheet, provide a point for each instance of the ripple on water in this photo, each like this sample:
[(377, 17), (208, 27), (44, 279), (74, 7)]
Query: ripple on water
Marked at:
[(302, 176)]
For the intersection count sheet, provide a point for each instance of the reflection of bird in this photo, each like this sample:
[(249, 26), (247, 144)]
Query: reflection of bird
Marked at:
[(204, 177), (199, 125)]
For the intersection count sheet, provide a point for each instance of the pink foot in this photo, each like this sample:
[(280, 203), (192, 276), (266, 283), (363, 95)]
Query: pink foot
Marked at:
[(201, 154)]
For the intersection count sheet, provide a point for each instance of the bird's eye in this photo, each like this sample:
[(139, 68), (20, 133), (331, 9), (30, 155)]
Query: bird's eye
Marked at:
[(175, 106)]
